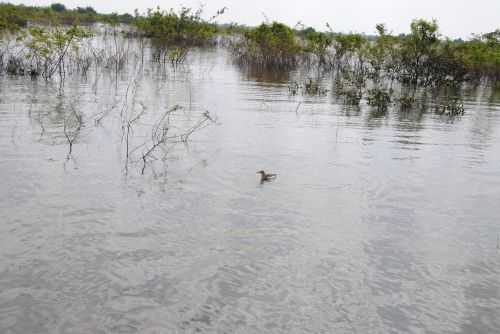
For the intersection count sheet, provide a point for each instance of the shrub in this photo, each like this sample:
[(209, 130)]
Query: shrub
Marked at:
[(318, 43), (269, 45), (48, 48), (183, 27)]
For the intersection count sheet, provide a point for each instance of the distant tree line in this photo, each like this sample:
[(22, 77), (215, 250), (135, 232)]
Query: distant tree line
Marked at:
[(14, 17)]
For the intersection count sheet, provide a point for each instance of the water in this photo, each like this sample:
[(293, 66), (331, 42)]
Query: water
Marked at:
[(376, 223)]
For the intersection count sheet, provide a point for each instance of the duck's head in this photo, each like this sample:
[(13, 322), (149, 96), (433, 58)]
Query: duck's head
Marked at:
[(261, 172)]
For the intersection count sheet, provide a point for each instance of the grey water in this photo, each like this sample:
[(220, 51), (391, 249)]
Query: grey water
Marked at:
[(377, 223)]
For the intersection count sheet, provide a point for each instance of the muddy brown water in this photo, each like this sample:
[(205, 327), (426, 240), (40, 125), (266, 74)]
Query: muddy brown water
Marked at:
[(376, 223)]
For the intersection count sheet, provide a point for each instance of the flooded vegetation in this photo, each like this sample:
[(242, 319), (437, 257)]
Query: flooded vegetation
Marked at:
[(163, 173)]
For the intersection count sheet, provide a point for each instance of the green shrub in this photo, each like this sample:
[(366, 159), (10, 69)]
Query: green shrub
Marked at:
[(318, 43), (269, 45), (47, 49), (183, 27)]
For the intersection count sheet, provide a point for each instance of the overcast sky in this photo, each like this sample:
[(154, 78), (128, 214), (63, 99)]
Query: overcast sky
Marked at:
[(456, 18)]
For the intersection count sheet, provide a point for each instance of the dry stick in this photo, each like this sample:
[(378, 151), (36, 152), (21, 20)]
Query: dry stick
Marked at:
[(103, 114), (130, 122), (134, 89), (159, 138), (198, 126), (160, 131)]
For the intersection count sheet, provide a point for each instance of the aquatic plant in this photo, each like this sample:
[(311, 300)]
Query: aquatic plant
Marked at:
[(420, 60), (15, 66), (350, 84), (268, 45), (351, 96), (311, 87), (177, 55), (294, 88), (349, 51), (380, 56), (318, 44), (72, 125), (47, 49), (344, 88), (406, 102), (480, 56), (453, 106), (416, 52), (173, 54), (416, 62), (184, 27), (379, 99), (162, 134)]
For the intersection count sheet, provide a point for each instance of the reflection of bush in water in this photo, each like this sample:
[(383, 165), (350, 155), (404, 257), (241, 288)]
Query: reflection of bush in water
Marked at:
[(453, 106)]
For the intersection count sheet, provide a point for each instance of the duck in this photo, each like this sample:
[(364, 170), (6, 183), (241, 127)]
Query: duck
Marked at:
[(266, 177)]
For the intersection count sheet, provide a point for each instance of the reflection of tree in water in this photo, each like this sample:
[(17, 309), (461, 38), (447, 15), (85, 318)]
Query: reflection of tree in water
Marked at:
[(494, 96), (482, 128), (375, 118), (411, 120), (351, 111), (261, 74), (408, 126)]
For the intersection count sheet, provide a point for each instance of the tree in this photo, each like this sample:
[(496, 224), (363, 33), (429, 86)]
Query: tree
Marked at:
[(86, 10), (419, 47), (58, 7)]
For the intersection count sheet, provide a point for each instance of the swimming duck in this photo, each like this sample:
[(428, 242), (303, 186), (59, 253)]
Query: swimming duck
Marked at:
[(266, 177)]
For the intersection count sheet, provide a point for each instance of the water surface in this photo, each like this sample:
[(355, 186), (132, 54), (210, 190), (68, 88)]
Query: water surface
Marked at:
[(376, 223)]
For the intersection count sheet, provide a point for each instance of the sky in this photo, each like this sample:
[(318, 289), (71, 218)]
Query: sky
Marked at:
[(456, 18)]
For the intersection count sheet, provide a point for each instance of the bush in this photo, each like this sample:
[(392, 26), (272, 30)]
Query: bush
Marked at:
[(318, 43), (269, 45), (11, 19), (183, 27)]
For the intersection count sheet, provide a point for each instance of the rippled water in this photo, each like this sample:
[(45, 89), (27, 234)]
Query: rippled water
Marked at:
[(376, 223)]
